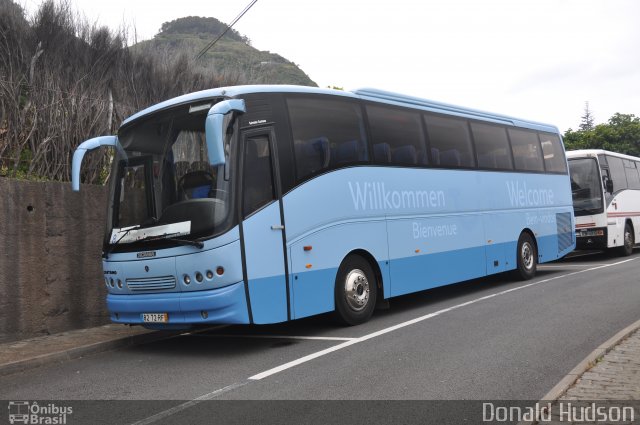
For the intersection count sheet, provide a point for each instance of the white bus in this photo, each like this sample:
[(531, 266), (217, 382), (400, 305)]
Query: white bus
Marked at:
[(606, 199)]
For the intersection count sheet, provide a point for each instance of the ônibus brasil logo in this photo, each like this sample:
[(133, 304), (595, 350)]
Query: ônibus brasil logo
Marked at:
[(25, 412)]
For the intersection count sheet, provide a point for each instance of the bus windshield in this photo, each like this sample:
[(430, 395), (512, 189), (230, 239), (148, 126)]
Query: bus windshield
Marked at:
[(163, 186), (586, 188)]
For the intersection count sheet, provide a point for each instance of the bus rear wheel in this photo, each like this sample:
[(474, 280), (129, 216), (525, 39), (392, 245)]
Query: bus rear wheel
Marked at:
[(629, 241), (527, 257), (356, 291)]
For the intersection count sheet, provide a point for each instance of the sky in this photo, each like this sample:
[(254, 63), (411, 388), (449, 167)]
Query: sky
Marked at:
[(539, 60)]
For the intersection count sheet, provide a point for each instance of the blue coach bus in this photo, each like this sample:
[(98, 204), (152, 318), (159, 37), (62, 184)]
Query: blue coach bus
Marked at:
[(261, 204)]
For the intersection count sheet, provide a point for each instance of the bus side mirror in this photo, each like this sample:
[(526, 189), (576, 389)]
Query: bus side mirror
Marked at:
[(608, 185), (214, 128), (84, 147)]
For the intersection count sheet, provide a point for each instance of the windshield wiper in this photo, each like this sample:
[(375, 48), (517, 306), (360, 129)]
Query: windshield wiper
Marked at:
[(196, 243), (113, 245)]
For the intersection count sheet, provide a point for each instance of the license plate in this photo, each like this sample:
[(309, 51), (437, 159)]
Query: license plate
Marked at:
[(587, 233), (155, 317)]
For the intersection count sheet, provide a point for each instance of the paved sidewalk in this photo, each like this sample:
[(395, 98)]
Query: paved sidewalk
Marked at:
[(29, 353), (615, 377), (608, 390)]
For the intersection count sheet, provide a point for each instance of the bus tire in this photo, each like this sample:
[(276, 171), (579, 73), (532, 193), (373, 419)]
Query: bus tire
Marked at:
[(629, 241), (355, 291), (527, 257)]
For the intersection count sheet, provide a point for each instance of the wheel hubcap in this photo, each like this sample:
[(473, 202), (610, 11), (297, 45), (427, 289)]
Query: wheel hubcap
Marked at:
[(527, 255), (628, 239), (356, 289)]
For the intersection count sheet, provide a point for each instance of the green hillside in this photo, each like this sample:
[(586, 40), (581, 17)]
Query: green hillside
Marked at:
[(232, 57)]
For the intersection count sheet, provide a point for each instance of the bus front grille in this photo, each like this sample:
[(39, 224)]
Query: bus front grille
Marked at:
[(151, 283), (564, 230)]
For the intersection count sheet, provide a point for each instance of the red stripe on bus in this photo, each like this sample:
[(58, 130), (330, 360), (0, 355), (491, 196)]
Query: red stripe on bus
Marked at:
[(623, 214)]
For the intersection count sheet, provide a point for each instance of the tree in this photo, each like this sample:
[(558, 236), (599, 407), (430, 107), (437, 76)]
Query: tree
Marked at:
[(620, 134), (63, 80), (587, 122)]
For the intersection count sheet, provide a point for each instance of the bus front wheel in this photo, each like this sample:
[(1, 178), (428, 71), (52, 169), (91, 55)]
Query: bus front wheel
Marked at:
[(527, 257), (355, 291)]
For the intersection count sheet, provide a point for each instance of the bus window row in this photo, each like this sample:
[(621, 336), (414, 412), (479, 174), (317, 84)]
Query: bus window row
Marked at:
[(624, 173), (330, 133)]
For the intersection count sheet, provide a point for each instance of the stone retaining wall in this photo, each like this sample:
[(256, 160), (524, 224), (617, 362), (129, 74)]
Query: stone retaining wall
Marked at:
[(50, 265)]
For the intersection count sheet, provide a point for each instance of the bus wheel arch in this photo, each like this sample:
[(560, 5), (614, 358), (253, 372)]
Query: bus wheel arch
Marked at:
[(526, 255), (357, 288), (628, 239)]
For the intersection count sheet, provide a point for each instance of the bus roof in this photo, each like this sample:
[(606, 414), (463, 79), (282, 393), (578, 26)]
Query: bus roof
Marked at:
[(365, 94), (579, 153)]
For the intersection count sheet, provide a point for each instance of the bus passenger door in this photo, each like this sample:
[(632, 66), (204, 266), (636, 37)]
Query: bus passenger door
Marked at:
[(262, 229)]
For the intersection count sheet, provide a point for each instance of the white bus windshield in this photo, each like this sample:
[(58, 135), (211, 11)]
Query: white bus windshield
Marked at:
[(586, 188)]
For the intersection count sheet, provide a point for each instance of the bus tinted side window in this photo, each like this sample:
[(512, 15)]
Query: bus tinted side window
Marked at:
[(492, 146), (616, 171), (450, 141), (633, 180), (258, 186), (554, 159), (326, 134), (526, 150), (397, 136)]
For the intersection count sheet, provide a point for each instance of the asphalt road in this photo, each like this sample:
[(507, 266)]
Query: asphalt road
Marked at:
[(490, 338)]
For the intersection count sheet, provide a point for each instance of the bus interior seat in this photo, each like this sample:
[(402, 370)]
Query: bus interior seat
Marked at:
[(351, 151), (312, 155), (196, 184), (450, 157), (382, 152), (422, 157), (405, 155), (435, 156)]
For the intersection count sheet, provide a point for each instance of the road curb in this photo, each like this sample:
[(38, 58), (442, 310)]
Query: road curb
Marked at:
[(81, 351), (587, 363)]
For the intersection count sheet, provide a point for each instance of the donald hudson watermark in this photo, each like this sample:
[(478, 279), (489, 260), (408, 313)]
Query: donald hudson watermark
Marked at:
[(25, 412), (571, 412)]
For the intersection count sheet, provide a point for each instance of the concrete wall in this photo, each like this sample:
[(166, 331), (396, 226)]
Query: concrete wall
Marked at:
[(50, 265)]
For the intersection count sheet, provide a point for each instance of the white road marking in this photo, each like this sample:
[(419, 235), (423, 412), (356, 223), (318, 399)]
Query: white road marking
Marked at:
[(166, 413), (313, 338), (367, 337)]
